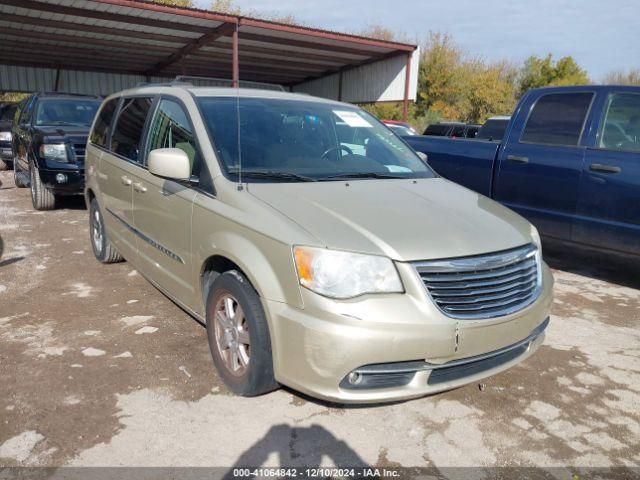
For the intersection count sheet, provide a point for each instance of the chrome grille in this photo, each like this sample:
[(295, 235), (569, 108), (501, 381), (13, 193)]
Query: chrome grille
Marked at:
[(483, 286)]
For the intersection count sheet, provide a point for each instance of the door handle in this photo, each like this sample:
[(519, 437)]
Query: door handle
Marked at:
[(126, 181), (138, 187), (517, 159), (598, 167)]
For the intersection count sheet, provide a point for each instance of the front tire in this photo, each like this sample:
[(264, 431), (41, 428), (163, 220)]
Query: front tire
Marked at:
[(19, 177), (102, 247), (239, 337), (41, 197)]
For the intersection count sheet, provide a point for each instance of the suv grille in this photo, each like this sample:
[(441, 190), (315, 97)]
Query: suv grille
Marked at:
[(79, 150), (483, 286)]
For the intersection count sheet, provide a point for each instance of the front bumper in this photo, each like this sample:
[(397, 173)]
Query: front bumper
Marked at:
[(73, 184), (316, 348)]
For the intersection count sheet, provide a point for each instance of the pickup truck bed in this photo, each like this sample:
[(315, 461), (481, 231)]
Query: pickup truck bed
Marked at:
[(467, 161)]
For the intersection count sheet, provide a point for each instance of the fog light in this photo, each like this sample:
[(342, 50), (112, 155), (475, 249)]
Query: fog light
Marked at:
[(354, 378), (61, 178)]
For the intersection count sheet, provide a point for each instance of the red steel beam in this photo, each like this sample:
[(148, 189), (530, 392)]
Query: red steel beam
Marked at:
[(193, 46), (235, 59), (407, 87)]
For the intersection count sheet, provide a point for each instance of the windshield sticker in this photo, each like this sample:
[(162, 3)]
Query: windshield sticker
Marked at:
[(353, 119)]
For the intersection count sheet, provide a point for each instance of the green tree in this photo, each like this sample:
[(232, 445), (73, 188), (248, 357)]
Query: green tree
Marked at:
[(542, 72), (490, 90), (440, 83), (632, 77), (455, 87), (226, 6)]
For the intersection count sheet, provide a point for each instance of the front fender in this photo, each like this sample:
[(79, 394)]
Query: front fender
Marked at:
[(267, 263)]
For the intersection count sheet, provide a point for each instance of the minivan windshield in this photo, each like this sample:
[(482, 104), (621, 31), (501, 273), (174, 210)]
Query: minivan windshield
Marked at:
[(73, 112), (290, 140)]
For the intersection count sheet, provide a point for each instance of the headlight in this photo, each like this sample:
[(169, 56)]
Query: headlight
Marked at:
[(338, 274), (5, 136), (55, 152), (536, 239)]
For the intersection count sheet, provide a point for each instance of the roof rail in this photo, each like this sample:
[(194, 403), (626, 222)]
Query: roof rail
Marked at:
[(192, 81), (224, 82)]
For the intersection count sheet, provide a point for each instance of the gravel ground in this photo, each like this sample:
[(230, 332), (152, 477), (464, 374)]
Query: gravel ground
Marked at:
[(98, 368)]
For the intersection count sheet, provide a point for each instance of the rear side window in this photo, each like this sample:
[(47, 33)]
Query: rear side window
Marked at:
[(437, 130), (102, 127), (557, 119), (127, 132), (620, 128), (458, 131)]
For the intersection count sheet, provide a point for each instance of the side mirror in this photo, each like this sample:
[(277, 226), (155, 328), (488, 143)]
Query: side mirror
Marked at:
[(423, 156), (171, 163)]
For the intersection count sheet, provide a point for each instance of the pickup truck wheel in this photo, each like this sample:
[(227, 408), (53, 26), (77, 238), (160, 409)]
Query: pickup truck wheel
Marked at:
[(239, 336), (20, 178), (102, 247), (41, 197)]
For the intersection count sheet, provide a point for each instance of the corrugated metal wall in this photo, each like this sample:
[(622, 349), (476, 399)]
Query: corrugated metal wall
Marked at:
[(376, 82), (381, 81), (28, 79)]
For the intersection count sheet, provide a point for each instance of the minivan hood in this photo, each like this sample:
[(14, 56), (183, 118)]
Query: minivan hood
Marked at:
[(405, 220)]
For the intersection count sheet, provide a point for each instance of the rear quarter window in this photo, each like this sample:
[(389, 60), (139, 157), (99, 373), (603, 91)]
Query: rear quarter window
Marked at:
[(557, 119)]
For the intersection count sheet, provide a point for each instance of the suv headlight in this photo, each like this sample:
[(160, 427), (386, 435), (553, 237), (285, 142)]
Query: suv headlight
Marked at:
[(343, 275), (5, 136), (56, 152)]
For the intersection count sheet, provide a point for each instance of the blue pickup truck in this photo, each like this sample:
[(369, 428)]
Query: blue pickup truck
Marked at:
[(569, 162)]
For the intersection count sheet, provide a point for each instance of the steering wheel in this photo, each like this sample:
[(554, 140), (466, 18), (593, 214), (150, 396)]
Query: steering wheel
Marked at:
[(338, 148)]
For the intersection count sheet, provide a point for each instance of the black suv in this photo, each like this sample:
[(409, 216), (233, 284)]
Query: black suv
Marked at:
[(6, 120), (50, 133)]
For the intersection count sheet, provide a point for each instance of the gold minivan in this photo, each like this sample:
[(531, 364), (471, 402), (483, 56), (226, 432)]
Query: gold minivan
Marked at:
[(319, 250)]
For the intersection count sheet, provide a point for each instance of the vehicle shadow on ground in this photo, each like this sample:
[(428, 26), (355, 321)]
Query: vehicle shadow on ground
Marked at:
[(610, 267), (71, 202), (298, 446)]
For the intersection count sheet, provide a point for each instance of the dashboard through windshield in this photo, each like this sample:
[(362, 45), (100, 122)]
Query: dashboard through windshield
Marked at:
[(292, 140)]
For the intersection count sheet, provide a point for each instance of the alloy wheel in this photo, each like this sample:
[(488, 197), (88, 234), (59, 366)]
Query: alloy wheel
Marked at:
[(232, 334)]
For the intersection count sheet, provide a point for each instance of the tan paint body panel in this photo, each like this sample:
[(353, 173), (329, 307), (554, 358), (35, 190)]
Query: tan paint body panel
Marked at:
[(316, 341), (402, 219)]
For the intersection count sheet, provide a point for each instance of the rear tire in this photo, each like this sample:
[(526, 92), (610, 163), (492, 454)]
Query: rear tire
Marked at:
[(239, 336), (102, 247), (41, 197)]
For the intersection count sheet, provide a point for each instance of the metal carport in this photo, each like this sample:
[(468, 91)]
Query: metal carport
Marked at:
[(100, 46)]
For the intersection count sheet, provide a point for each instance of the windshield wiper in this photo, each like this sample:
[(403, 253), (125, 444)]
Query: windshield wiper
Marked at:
[(67, 124), (361, 175), (275, 175)]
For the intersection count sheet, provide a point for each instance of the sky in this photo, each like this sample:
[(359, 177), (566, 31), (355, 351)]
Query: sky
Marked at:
[(602, 35)]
